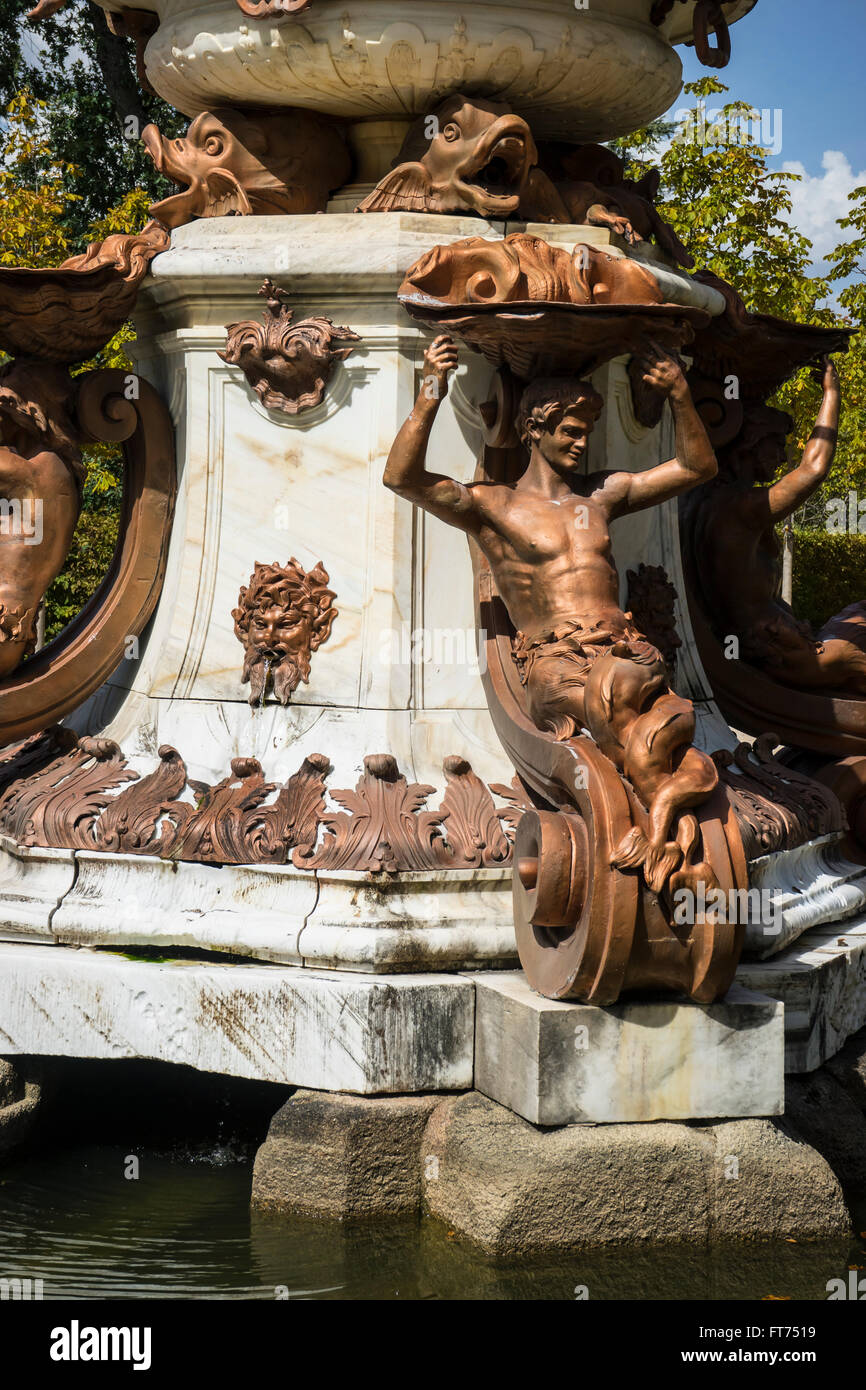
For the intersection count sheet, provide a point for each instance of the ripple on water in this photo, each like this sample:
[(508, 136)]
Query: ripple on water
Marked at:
[(184, 1230)]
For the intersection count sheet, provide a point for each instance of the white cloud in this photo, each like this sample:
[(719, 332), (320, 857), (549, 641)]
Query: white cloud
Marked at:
[(819, 199)]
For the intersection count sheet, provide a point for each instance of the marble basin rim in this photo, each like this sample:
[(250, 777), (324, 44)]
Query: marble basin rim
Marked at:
[(577, 74)]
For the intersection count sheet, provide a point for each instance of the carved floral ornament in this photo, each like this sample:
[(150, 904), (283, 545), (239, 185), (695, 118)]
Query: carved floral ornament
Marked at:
[(57, 790), (287, 364)]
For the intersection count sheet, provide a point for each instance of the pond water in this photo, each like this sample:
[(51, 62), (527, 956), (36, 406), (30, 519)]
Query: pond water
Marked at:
[(183, 1228)]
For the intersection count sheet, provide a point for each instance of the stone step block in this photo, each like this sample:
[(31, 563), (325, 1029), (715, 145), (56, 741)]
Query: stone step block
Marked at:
[(566, 1063)]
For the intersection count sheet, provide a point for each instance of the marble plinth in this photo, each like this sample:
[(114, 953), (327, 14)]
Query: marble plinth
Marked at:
[(326, 1031), (821, 980), (419, 921), (32, 884), (561, 1063)]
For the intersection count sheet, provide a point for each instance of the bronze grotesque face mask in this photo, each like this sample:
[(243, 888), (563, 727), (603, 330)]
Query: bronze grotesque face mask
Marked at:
[(287, 364), (283, 616)]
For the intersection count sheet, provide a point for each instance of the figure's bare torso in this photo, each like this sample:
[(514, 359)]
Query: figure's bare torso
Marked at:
[(551, 558), (742, 555)]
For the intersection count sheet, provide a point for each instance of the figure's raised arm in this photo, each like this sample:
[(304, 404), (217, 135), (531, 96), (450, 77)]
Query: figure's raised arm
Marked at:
[(790, 492), (406, 471), (695, 461)]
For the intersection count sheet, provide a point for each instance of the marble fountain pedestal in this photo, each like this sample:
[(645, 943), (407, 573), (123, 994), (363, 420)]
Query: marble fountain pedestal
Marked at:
[(380, 971)]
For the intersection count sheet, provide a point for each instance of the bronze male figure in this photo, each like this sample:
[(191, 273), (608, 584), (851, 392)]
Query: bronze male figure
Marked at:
[(583, 662)]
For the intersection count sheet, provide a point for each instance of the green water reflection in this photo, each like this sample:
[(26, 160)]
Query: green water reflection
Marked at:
[(184, 1230)]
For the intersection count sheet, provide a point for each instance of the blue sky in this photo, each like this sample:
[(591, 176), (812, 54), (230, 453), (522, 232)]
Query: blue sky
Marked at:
[(806, 59)]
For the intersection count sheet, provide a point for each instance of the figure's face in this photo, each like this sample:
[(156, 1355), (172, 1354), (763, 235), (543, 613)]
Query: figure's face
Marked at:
[(768, 455), (564, 448), (276, 633)]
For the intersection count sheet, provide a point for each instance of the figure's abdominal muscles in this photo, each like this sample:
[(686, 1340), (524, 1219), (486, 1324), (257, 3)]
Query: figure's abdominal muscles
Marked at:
[(542, 595)]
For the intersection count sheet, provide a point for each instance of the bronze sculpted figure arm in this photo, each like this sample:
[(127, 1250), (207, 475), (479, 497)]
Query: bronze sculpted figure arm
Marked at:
[(694, 462), (790, 492), (406, 471)]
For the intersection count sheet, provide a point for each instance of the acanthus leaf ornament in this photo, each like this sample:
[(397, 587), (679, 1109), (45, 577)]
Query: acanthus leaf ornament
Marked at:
[(651, 600), (287, 364), (65, 792)]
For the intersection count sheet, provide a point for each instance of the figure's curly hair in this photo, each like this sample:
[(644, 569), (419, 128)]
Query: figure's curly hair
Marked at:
[(289, 587), (546, 400)]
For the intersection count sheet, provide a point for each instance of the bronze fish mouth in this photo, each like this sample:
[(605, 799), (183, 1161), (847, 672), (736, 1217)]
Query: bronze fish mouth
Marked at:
[(176, 209), (160, 148), (496, 173)]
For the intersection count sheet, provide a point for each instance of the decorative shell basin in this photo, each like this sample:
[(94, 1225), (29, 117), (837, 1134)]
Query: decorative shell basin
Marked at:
[(579, 73)]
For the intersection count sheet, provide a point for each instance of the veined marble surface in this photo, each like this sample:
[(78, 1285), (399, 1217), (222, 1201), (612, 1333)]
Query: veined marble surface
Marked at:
[(328, 1031)]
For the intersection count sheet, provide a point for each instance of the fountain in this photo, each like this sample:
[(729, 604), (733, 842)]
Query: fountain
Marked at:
[(305, 759)]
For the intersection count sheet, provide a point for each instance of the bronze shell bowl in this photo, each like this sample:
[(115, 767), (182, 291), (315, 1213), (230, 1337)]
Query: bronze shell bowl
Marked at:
[(537, 339)]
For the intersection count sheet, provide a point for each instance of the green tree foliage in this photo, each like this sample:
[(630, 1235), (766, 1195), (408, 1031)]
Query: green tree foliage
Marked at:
[(86, 566), (848, 271), (35, 190), (827, 574), (732, 211), (85, 78)]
